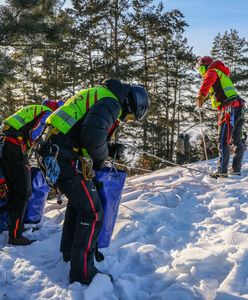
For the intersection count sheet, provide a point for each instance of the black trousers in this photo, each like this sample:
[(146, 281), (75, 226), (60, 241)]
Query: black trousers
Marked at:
[(82, 224), (230, 131), (18, 177)]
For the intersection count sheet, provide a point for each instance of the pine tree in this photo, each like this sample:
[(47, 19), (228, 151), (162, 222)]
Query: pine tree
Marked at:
[(31, 29), (232, 50)]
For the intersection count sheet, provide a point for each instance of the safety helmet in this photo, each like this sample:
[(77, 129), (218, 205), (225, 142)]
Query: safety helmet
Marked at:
[(203, 63), (137, 101), (133, 98)]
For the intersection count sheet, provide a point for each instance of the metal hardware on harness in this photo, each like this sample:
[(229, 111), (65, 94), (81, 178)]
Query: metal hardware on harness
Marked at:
[(86, 168), (49, 131), (2, 139)]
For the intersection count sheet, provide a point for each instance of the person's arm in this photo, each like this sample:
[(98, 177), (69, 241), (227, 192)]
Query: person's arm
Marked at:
[(95, 128), (209, 80)]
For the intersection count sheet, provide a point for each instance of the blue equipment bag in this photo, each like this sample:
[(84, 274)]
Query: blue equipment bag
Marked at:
[(40, 190), (3, 203), (113, 181), (3, 214)]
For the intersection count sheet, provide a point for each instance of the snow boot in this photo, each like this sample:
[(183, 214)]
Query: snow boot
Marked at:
[(98, 255), (20, 241), (88, 282), (66, 257), (237, 173), (216, 175)]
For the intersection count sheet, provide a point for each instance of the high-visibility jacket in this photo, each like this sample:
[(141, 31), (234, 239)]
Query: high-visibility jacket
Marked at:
[(75, 108), (217, 83), (25, 115), (222, 91)]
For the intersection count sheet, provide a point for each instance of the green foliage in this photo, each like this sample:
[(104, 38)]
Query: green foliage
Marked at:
[(49, 51), (233, 50)]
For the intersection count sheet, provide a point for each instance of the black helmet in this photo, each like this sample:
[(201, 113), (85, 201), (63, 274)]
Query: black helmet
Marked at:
[(133, 98), (138, 101)]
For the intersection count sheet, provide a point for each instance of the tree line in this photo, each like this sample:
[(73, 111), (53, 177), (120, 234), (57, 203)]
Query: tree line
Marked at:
[(48, 51)]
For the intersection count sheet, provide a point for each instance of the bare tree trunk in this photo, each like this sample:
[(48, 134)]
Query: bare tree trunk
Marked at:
[(173, 116), (116, 44), (29, 57)]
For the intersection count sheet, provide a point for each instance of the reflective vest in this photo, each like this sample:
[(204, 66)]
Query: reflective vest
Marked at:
[(75, 108), (222, 90), (25, 115)]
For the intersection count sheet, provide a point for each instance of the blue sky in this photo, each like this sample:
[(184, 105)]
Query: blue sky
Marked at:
[(208, 17)]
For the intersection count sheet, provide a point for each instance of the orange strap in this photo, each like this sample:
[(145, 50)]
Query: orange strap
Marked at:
[(236, 103), (226, 120), (16, 227)]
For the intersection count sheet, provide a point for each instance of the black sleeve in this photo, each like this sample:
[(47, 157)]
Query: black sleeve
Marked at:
[(96, 125)]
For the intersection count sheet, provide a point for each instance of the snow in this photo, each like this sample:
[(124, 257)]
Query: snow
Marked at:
[(179, 235)]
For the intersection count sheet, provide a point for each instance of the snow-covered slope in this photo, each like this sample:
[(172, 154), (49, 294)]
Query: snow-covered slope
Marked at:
[(179, 236)]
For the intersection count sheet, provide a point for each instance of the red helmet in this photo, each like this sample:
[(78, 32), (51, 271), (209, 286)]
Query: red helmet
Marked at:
[(205, 61)]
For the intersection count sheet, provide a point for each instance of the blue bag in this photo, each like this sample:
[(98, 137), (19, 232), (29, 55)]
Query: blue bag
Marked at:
[(110, 193), (3, 203), (4, 220), (40, 190)]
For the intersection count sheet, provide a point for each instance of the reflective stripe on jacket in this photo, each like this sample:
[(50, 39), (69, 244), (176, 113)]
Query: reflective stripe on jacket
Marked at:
[(75, 108), (25, 115), (222, 90)]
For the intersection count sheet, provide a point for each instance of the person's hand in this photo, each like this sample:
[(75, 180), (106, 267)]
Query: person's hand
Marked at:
[(116, 150), (200, 100), (98, 165)]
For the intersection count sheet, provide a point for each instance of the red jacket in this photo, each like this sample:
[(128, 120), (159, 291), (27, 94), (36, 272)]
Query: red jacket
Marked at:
[(211, 76)]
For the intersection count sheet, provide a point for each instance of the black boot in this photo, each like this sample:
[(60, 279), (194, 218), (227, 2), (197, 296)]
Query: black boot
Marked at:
[(216, 175), (237, 173), (88, 282), (66, 256), (16, 228), (20, 241), (98, 255)]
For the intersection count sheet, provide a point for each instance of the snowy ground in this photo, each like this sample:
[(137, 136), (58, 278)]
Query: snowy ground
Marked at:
[(179, 236)]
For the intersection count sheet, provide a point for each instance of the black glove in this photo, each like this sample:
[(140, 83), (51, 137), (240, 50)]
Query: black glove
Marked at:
[(97, 165), (116, 150), (45, 149)]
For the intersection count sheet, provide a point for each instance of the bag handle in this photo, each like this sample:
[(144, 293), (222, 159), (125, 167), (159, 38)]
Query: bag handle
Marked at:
[(113, 163)]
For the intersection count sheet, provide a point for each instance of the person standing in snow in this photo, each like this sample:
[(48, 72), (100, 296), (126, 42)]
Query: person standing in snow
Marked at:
[(187, 148), (82, 129), (19, 132), (180, 149), (244, 138), (224, 97)]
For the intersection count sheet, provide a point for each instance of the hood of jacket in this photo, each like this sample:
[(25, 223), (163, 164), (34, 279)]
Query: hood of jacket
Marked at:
[(220, 66), (119, 89)]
